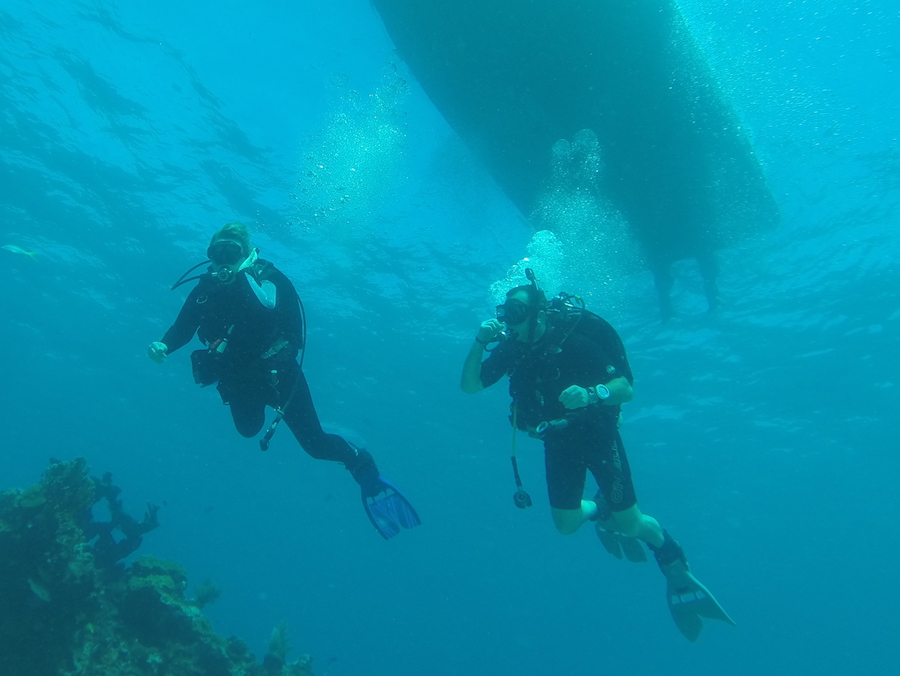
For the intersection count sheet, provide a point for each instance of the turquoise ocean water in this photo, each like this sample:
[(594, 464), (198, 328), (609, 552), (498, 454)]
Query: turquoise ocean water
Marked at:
[(763, 437)]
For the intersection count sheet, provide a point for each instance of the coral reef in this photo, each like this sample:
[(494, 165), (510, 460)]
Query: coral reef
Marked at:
[(68, 605), (205, 593)]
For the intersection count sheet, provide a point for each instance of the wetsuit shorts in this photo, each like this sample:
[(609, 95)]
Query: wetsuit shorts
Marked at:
[(570, 453)]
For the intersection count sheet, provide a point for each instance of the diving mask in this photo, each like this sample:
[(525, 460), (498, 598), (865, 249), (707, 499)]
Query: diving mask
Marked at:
[(513, 312), (225, 252)]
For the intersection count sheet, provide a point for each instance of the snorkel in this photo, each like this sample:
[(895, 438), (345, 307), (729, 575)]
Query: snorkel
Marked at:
[(534, 294), (515, 312)]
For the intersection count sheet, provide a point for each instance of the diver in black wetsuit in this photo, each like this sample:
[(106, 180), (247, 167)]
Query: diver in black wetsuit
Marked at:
[(250, 318), (568, 377)]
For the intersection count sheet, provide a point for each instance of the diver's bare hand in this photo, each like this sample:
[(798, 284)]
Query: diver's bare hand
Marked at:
[(157, 352), (488, 331), (574, 397)]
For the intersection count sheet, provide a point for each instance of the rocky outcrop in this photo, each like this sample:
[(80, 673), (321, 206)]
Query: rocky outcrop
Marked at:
[(69, 606)]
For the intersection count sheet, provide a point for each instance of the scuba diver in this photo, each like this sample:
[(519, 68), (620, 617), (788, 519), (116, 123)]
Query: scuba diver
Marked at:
[(568, 378), (251, 320)]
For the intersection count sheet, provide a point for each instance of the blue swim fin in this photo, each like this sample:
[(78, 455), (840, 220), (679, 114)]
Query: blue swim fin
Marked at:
[(388, 509)]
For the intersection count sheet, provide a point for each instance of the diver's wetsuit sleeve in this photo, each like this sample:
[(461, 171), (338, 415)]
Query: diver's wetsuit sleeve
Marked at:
[(495, 366), (186, 323), (611, 349), (618, 358)]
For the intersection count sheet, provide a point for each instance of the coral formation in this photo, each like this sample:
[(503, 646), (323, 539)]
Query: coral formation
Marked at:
[(205, 593), (68, 605)]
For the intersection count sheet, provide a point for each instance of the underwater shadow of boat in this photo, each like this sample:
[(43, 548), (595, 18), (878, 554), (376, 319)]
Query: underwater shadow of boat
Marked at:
[(513, 78)]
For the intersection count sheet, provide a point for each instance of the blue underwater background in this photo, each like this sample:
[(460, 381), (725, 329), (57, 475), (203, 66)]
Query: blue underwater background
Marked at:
[(763, 437)]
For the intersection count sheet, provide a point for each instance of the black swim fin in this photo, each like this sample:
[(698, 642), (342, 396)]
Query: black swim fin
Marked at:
[(613, 540), (617, 543), (688, 599)]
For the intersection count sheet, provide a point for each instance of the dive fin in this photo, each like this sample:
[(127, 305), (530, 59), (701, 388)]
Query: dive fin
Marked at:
[(689, 600), (612, 539), (388, 509), (634, 550), (617, 543)]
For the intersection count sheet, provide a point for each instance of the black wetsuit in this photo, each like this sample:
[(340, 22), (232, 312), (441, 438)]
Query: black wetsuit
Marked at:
[(578, 348), (256, 365)]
